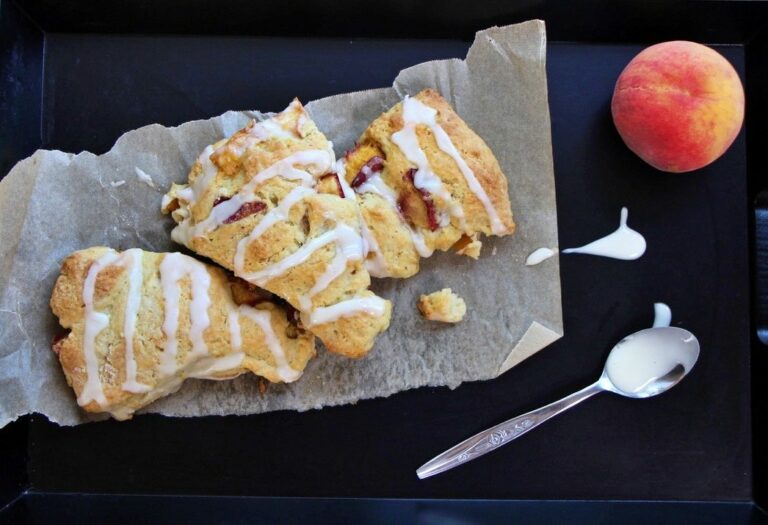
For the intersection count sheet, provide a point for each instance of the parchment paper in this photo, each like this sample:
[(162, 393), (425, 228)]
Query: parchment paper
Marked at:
[(54, 203)]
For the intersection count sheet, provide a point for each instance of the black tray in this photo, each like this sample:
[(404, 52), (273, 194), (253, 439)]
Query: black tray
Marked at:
[(76, 75)]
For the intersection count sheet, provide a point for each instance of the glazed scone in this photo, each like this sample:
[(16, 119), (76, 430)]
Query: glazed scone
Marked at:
[(266, 204), (425, 181), (141, 322), (443, 306)]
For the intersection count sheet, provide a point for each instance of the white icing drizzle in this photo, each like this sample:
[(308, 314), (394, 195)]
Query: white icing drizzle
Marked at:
[(539, 255), (95, 322), (204, 368), (375, 184), (662, 315), (316, 163), (340, 168), (408, 142), (174, 267), (625, 243), (235, 336), (445, 144), (277, 214), (261, 277), (349, 247), (269, 128), (375, 306), (132, 305), (376, 266), (263, 319)]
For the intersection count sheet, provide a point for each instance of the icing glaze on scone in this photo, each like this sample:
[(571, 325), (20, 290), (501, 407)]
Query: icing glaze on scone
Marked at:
[(425, 181), (268, 205), (142, 322)]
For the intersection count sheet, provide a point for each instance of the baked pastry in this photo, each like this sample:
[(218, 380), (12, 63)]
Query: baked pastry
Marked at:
[(266, 204), (140, 323), (443, 306), (425, 182)]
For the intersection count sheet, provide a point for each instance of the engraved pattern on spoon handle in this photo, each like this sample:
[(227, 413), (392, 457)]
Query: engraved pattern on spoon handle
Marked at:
[(503, 433)]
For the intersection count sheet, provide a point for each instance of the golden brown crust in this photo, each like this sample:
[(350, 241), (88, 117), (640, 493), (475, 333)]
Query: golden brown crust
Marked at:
[(412, 205), (111, 295), (240, 159), (444, 306)]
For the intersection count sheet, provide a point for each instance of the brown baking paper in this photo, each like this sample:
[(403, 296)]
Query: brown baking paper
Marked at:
[(54, 203)]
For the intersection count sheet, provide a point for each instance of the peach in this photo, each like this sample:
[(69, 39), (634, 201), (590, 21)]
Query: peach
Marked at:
[(678, 105)]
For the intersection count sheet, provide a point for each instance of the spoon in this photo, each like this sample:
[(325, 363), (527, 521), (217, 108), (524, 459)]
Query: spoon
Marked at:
[(641, 365)]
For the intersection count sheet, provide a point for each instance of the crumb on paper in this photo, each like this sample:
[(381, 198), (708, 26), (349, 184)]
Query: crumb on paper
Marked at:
[(262, 386), (493, 252), (468, 246), (117, 183), (444, 306), (145, 178)]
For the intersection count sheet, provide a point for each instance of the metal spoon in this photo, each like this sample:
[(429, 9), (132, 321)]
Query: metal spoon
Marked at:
[(641, 365)]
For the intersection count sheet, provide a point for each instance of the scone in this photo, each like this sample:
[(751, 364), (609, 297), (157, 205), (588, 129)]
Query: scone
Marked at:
[(444, 306), (425, 182), (266, 204), (140, 323)]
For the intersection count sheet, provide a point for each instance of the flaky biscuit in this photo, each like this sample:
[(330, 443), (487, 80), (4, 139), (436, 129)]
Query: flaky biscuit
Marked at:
[(266, 204), (141, 322), (421, 171)]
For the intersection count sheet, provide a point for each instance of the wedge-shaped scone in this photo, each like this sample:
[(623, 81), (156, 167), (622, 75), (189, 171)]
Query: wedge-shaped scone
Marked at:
[(140, 323), (266, 204), (425, 182)]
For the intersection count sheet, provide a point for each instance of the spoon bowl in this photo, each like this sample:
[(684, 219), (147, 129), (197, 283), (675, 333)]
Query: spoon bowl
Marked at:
[(644, 364), (650, 362)]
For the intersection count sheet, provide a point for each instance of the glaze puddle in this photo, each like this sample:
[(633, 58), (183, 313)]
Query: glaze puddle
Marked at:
[(624, 243)]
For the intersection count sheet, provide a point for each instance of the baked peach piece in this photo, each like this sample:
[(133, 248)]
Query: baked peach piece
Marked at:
[(678, 105)]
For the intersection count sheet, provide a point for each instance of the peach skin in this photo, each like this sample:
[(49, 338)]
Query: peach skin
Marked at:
[(678, 105)]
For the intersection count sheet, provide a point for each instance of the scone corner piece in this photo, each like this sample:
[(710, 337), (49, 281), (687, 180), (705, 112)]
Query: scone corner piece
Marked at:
[(444, 306)]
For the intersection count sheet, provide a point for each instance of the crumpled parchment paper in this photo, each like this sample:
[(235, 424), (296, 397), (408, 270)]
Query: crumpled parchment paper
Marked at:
[(54, 203)]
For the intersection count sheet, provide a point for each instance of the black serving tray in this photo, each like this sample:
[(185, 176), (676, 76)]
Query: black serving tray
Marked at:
[(76, 75)]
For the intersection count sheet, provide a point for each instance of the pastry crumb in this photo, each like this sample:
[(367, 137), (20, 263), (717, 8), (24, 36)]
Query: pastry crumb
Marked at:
[(444, 306), (469, 246), (145, 177)]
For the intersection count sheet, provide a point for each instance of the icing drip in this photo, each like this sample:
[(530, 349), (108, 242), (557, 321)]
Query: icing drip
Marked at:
[(277, 214), (625, 243), (316, 162), (133, 303), (174, 267), (662, 315), (349, 247), (95, 322), (375, 184), (212, 365), (235, 337), (376, 266), (263, 319), (375, 306), (261, 277), (415, 113), (539, 255)]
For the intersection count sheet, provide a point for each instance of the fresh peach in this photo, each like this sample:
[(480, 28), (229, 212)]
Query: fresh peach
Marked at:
[(678, 105)]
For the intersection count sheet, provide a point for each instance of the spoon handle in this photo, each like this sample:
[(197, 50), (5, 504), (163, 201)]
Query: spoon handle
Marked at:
[(494, 437)]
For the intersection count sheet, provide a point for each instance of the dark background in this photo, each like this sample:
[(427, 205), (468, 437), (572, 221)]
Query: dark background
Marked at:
[(77, 77)]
